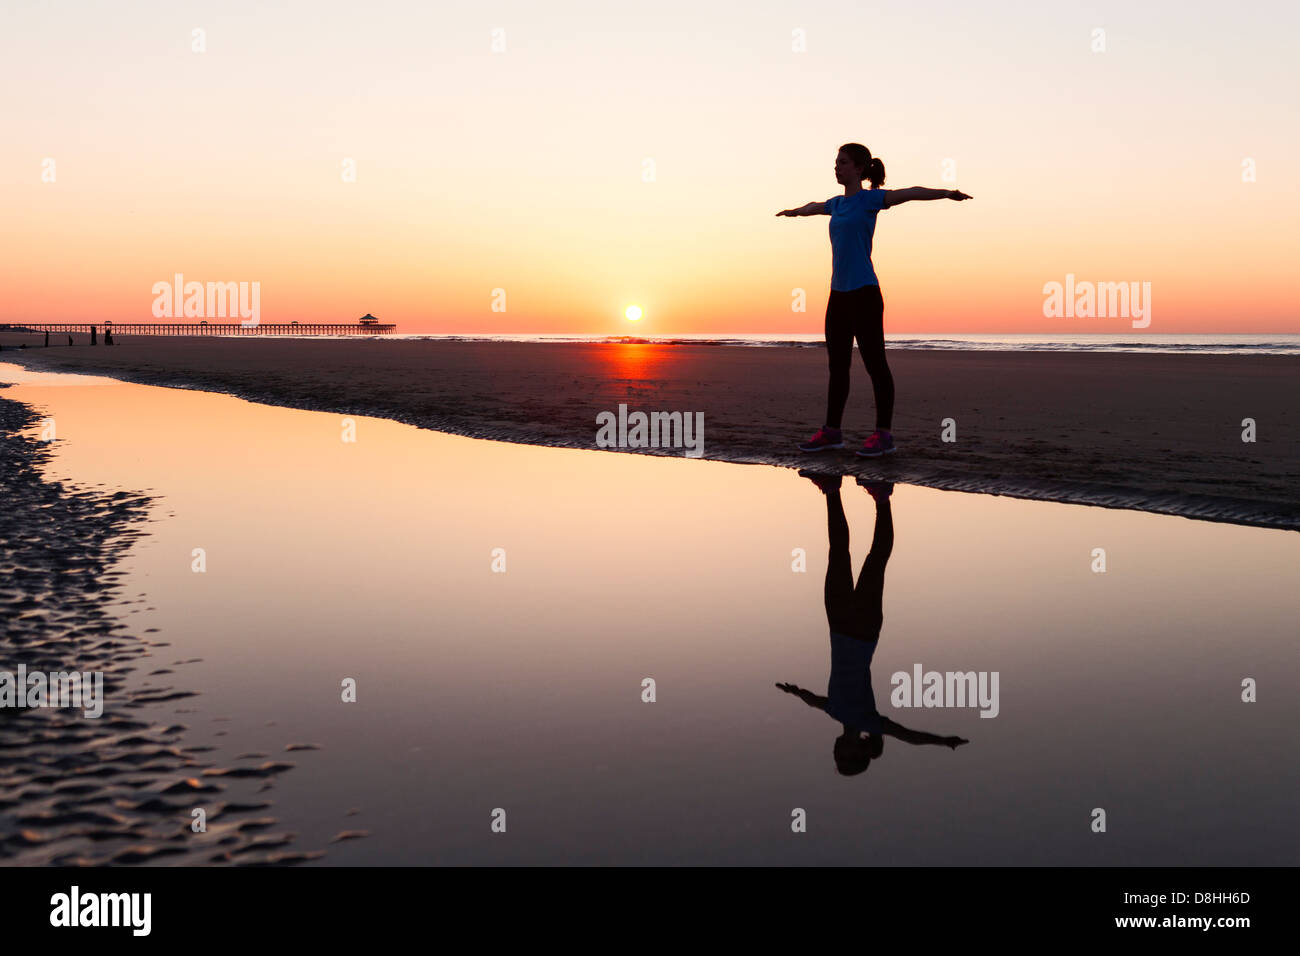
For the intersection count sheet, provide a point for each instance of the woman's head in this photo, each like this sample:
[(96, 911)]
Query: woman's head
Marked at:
[(854, 752), (856, 162)]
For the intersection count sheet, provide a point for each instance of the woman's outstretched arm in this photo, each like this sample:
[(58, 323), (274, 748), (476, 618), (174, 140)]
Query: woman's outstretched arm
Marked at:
[(918, 736), (895, 196), (811, 209), (807, 696)]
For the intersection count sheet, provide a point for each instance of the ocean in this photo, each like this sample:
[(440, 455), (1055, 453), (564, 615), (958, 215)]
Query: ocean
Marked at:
[(1277, 343)]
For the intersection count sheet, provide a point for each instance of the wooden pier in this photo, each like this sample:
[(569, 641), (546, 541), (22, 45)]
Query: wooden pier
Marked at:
[(203, 328)]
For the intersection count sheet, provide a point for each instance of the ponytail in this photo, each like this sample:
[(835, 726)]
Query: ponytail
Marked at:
[(875, 172)]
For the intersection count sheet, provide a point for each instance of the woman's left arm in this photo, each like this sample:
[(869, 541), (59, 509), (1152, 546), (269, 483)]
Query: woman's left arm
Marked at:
[(918, 736), (895, 196)]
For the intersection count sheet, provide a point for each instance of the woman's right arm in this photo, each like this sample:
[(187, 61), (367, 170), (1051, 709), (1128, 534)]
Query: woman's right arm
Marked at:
[(811, 209)]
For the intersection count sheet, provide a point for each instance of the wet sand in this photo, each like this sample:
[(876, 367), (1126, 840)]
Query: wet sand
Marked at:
[(1159, 433), (522, 690), (118, 788)]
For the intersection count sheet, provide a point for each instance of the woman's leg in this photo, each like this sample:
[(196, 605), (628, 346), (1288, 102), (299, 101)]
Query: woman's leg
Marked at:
[(838, 590), (868, 596), (870, 331), (839, 354)]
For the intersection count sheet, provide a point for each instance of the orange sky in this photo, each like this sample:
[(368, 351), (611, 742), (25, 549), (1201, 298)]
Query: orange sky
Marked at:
[(523, 170)]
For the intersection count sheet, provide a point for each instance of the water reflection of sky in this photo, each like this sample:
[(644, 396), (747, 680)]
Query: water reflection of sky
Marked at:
[(523, 690)]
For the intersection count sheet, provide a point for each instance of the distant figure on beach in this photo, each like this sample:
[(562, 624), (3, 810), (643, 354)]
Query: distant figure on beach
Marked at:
[(855, 616), (69, 339), (855, 307), (108, 336), (93, 334), (47, 338)]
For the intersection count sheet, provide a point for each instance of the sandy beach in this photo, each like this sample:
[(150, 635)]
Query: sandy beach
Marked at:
[(111, 790), (374, 561), (1159, 433)]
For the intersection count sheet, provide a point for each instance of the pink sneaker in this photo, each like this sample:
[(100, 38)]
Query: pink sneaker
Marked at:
[(825, 438), (880, 443), (878, 489), (827, 483)]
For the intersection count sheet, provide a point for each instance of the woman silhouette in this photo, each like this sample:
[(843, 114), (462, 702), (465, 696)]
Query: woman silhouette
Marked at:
[(855, 307), (855, 615)]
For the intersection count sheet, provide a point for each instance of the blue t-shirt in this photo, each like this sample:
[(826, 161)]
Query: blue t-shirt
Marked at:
[(849, 698), (853, 223)]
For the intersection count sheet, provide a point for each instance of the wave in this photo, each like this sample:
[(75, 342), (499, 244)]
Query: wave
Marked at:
[(1283, 344)]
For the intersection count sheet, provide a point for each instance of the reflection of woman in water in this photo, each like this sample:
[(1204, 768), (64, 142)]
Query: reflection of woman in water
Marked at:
[(855, 308), (855, 616)]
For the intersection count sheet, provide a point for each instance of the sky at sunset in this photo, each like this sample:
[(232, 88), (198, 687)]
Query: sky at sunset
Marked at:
[(525, 169)]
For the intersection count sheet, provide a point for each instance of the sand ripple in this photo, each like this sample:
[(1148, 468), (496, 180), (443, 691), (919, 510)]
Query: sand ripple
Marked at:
[(119, 789)]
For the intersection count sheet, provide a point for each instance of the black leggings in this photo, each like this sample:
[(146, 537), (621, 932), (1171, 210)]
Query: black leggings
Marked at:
[(857, 612), (859, 313)]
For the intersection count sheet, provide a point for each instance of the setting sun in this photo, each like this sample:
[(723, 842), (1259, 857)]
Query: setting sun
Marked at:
[(633, 312)]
